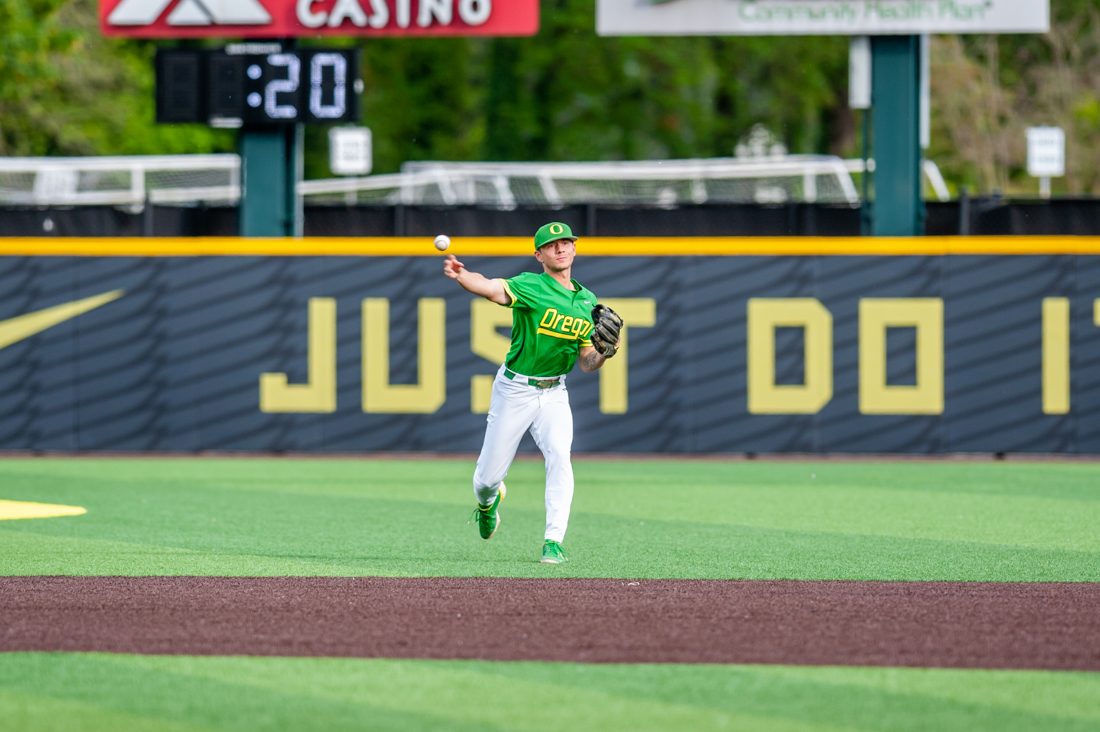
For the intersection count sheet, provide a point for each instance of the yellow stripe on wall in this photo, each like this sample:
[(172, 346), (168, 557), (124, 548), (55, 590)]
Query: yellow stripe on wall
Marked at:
[(522, 246)]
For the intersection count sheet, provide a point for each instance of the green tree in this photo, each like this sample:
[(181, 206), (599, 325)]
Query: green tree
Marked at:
[(986, 90), (568, 94), (421, 100), (28, 34), (82, 94), (796, 86)]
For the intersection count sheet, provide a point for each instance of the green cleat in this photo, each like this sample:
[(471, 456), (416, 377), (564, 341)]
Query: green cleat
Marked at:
[(488, 518), (552, 553)]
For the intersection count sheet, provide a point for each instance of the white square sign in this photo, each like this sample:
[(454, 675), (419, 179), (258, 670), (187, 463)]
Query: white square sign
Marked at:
[(818, 17), (1046, 152), (349, 150)]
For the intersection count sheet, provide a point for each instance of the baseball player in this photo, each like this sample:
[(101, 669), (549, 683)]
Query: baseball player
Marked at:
[(555, 323)]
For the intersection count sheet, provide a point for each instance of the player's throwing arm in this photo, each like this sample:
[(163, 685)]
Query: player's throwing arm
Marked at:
[(473, 282), (556, 323)]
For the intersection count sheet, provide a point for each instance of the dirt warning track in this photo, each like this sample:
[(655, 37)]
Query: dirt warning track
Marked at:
[(940, 624)]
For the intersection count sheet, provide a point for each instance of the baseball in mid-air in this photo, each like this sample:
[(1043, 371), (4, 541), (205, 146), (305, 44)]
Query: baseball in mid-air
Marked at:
[(442, 242)]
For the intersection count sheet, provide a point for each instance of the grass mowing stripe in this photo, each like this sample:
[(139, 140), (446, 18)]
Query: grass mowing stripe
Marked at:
[(425, 543), (416, 686), (437, 479), (1069, 695), (124, 686), (913, 521), (39, 554), (43, 713), (335, 694), (991, 519)]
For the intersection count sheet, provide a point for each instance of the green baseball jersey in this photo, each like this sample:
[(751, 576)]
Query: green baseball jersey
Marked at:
[(549, 324)]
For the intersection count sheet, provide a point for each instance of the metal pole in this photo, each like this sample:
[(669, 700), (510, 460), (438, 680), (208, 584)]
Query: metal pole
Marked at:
[(399, 220), (264, 199), (865, 181), (896, 71), (964, 211), (147, 217), (295, 163)]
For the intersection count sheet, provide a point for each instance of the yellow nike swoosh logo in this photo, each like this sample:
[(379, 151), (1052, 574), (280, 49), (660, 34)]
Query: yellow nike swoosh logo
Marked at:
[(25, 326)]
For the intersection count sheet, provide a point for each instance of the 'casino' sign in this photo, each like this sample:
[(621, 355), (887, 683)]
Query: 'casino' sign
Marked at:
[(294, 18)]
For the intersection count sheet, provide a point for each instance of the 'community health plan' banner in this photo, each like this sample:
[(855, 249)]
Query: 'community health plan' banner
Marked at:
[(818, 17)]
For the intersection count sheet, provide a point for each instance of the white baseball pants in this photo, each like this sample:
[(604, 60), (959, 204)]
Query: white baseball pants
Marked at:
[(514, 408)]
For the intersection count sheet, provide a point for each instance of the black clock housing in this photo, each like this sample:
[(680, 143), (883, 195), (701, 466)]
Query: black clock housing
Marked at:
[(320, 86)]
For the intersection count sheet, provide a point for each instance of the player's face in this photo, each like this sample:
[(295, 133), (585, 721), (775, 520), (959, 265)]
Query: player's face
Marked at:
[(557, 256)]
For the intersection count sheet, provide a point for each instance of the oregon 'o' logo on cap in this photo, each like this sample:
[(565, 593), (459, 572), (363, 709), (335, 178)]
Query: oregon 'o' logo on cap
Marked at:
[(557, 229)]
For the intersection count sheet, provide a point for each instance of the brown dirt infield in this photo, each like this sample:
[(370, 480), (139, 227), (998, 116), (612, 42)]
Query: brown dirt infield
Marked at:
[(936, 624)]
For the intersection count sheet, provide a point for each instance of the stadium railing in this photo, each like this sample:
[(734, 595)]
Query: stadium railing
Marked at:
[(773, 179), (215, 180), (132, 180)]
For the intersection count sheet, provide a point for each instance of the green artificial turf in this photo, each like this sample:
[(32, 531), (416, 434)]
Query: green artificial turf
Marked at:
[(117, 693), (828, 520)]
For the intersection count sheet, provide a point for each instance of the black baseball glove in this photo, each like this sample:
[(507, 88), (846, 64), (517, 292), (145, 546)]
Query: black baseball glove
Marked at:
[(605, 331)]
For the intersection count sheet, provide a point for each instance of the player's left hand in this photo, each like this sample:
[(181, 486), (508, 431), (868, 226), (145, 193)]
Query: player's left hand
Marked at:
[(605, 332)]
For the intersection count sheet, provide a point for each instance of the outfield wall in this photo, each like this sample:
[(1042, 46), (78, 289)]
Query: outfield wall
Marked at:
[(734, 345)]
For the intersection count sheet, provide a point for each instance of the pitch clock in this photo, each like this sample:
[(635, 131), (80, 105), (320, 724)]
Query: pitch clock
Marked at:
[(238, 86)]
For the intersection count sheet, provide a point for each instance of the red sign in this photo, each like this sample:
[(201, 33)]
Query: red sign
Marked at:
[(296, 18)]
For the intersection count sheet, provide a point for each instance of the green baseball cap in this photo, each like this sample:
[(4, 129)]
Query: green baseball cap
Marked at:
[(552, 232)]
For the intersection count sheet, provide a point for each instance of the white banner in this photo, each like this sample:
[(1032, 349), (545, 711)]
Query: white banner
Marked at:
[(818, 17)]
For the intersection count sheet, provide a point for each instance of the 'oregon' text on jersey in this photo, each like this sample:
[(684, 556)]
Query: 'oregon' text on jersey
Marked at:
[(569, 327)]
